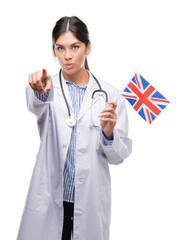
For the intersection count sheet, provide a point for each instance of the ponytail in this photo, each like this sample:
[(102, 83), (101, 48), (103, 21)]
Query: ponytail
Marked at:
[(86, 64)]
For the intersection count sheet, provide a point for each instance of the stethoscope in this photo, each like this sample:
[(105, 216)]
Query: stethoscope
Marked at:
[(71, 121)]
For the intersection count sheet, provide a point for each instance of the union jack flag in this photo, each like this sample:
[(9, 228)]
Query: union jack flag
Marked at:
[(144, 98)]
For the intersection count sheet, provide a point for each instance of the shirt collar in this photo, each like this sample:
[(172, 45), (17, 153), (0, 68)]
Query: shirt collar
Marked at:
[(73, 84)]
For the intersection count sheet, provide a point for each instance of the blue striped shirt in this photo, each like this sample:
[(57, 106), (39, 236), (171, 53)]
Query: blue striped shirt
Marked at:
[(77, 93)]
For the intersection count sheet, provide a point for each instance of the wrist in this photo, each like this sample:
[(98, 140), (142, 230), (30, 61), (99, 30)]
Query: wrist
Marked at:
[(108, 136)]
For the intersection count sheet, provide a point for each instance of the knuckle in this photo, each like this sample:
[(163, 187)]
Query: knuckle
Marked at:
[(34, 82)]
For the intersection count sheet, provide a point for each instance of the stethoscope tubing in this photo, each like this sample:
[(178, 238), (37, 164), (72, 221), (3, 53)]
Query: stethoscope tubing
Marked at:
[(62, 90)]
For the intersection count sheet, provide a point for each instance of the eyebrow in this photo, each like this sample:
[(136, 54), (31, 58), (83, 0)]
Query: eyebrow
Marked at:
[(57, 44)]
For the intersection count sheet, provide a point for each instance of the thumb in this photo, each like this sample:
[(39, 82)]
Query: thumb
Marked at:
[(47, 84), (112, 105)]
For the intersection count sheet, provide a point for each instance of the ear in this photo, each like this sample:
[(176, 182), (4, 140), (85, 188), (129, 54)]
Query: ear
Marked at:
[(88, 49)]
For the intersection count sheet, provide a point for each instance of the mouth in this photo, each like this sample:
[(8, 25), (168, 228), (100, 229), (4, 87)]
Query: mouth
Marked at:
[(69, 65)]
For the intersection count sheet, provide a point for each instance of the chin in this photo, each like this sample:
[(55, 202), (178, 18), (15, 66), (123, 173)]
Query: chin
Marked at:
[(71, 71)]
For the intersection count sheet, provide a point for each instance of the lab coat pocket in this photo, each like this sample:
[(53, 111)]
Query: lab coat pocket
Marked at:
[(35, 190), (105, 206)]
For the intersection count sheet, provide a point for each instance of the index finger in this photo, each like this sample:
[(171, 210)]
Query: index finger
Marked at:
[(44, 73)]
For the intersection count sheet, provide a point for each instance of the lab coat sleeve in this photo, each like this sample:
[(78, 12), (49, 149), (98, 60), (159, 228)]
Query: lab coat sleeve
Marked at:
[(36, 105), (121, 146)]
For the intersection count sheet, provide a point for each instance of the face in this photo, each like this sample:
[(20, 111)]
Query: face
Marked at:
[(71, 53)]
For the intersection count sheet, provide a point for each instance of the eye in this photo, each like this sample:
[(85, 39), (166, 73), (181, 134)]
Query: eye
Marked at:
[(60, 48), (75, 47)]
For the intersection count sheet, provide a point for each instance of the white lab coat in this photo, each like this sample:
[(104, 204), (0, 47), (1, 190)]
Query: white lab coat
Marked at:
[(42, 217)]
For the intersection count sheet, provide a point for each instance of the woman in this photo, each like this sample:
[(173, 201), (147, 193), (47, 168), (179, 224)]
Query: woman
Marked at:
[(69, 195)]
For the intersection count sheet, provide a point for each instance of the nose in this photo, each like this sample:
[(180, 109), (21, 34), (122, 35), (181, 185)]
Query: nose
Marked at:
[(68, 54)]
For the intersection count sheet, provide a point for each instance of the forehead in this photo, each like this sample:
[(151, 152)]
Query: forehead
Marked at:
[(66, 39)]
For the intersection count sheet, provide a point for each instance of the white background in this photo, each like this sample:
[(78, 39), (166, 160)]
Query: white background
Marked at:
[(148, 189)]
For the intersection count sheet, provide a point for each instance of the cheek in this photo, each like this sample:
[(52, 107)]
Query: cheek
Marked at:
[(59, 58), (80, 56)]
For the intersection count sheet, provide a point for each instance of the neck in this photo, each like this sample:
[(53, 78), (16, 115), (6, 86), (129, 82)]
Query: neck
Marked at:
[(79, 78)]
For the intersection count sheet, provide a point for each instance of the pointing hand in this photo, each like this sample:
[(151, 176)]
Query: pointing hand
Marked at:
[(40, 81)]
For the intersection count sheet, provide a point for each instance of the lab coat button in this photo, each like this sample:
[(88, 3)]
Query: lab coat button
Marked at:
[(64, 145), (60, 203)]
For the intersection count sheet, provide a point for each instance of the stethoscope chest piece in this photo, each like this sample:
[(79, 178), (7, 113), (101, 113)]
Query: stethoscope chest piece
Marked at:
[(71, 121)]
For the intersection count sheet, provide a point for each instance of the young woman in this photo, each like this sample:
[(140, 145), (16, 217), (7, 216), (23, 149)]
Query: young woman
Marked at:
[(82, 132)]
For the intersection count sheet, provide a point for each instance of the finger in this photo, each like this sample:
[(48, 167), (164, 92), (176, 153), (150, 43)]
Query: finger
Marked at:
[(108, 120), (48, 85), (108, 109), (30, 80), (32, 86), (38, 77), (107, 115), (36, 81), (44, 73)]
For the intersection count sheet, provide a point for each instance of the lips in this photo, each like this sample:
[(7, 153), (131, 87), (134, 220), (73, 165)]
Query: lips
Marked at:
[(69, 65)]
